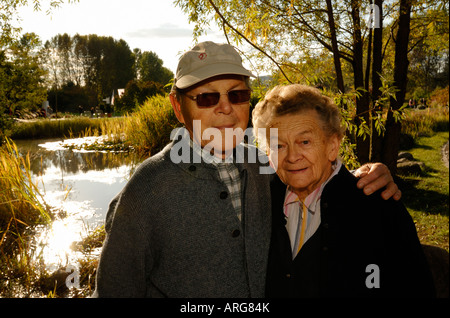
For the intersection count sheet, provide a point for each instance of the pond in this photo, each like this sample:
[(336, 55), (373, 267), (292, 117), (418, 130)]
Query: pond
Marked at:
[(78, 183)]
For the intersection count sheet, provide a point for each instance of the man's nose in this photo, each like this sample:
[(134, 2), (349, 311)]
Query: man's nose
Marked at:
[(224, 106)]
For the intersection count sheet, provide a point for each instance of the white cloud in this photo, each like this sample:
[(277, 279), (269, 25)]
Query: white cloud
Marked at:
[(166, 30)]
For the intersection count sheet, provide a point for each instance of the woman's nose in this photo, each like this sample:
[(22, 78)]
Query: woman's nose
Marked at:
[(294, 154)]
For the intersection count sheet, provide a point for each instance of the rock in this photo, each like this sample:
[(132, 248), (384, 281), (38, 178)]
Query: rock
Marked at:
[(405, 155), (438, 260), (56, 282), (409, 167), (402, 160), (406, 141)]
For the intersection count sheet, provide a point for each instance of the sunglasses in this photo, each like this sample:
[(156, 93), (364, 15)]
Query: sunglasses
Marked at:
[(211, 99)]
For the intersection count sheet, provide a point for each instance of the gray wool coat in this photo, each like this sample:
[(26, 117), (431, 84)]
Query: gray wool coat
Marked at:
[(173, 232)]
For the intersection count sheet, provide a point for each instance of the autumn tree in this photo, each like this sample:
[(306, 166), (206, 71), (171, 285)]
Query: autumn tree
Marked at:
[(290, 34)]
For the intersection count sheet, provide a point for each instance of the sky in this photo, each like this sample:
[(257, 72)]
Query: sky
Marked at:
[(150, 25)]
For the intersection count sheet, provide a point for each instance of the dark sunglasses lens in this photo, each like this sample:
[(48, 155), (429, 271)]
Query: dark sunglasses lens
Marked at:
[(208, 99), (239, 96)]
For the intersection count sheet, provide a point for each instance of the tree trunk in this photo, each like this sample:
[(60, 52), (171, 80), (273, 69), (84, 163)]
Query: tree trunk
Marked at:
[(377, 140), (377, 53), (393, 129), (362, 103), (334, 45)]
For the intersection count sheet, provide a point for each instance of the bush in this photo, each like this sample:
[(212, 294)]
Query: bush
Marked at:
[(439, 97), (136, 93), (148, 128)]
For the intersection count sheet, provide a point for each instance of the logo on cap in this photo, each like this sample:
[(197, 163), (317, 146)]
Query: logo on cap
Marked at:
[(202, 56)]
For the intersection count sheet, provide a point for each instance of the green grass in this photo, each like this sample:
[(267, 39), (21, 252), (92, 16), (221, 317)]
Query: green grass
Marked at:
[(427, 196)]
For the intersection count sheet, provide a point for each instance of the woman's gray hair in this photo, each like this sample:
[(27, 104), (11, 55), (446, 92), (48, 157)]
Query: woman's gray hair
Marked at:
[(293, 99)]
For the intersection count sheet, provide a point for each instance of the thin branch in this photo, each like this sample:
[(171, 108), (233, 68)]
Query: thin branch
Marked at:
[(247, 40)]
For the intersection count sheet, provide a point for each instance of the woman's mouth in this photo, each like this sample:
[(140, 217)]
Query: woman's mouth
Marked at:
[(300, 170)]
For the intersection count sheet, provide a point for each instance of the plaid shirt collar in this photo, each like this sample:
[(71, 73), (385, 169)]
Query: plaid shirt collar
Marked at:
[(228, 172)]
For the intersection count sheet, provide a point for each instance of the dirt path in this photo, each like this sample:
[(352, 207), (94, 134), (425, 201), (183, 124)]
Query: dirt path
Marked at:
[(445, 154)]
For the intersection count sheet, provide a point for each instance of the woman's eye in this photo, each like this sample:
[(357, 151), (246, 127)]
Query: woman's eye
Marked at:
[(305, 142), (277, 147)]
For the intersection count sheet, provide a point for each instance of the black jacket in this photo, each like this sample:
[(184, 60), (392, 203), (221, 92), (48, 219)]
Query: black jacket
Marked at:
[(364, 247)]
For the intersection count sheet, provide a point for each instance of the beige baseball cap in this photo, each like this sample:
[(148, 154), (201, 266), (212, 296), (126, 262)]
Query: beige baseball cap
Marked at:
[(208, 59)]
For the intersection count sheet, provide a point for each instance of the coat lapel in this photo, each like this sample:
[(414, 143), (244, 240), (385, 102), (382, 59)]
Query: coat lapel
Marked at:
[(281, 244)]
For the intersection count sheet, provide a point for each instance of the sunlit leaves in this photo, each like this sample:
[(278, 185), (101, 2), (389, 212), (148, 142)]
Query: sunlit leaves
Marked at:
[(9, 21)]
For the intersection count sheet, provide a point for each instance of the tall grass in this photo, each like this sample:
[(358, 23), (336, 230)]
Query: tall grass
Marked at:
[(22, 208), (426, 121), (59, 128), (146, 131), (148, 128), (52, 128)]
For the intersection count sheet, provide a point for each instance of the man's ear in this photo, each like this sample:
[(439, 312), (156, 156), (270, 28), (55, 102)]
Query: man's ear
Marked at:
[(176, 107)]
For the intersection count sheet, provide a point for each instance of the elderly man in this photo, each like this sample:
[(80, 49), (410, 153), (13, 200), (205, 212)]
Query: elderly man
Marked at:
[(194, 220)]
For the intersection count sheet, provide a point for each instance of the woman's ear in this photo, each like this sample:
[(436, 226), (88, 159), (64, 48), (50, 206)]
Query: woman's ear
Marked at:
[(176, 107), (333, 147)]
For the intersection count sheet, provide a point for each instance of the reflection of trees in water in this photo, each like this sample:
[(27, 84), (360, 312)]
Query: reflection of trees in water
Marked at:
[(71, 162), (75, 162)]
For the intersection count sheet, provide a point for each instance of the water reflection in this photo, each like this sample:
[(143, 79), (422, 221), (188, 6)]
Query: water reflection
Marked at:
[(79, 183)]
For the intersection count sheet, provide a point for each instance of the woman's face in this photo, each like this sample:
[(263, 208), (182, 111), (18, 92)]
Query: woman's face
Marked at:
[(302, 153)]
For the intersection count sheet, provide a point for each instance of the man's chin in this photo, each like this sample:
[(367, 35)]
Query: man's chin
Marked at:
[(219, 151)]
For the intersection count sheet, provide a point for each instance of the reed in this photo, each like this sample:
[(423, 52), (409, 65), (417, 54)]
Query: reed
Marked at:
[(425, 122), (53, 128), (22, 208), (148, 129)]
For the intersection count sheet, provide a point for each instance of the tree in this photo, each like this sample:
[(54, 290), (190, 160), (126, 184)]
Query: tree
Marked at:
[(100, 65), (136, 93), (150, 68), (391, 142), (289, 34), (97, 62), (428, 52), (8, 16), (23, 77)]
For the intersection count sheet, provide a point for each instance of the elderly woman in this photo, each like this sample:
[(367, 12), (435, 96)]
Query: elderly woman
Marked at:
[(328, 238)]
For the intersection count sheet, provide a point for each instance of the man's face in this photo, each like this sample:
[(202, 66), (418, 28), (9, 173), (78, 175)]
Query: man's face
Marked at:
[(215, 125)]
